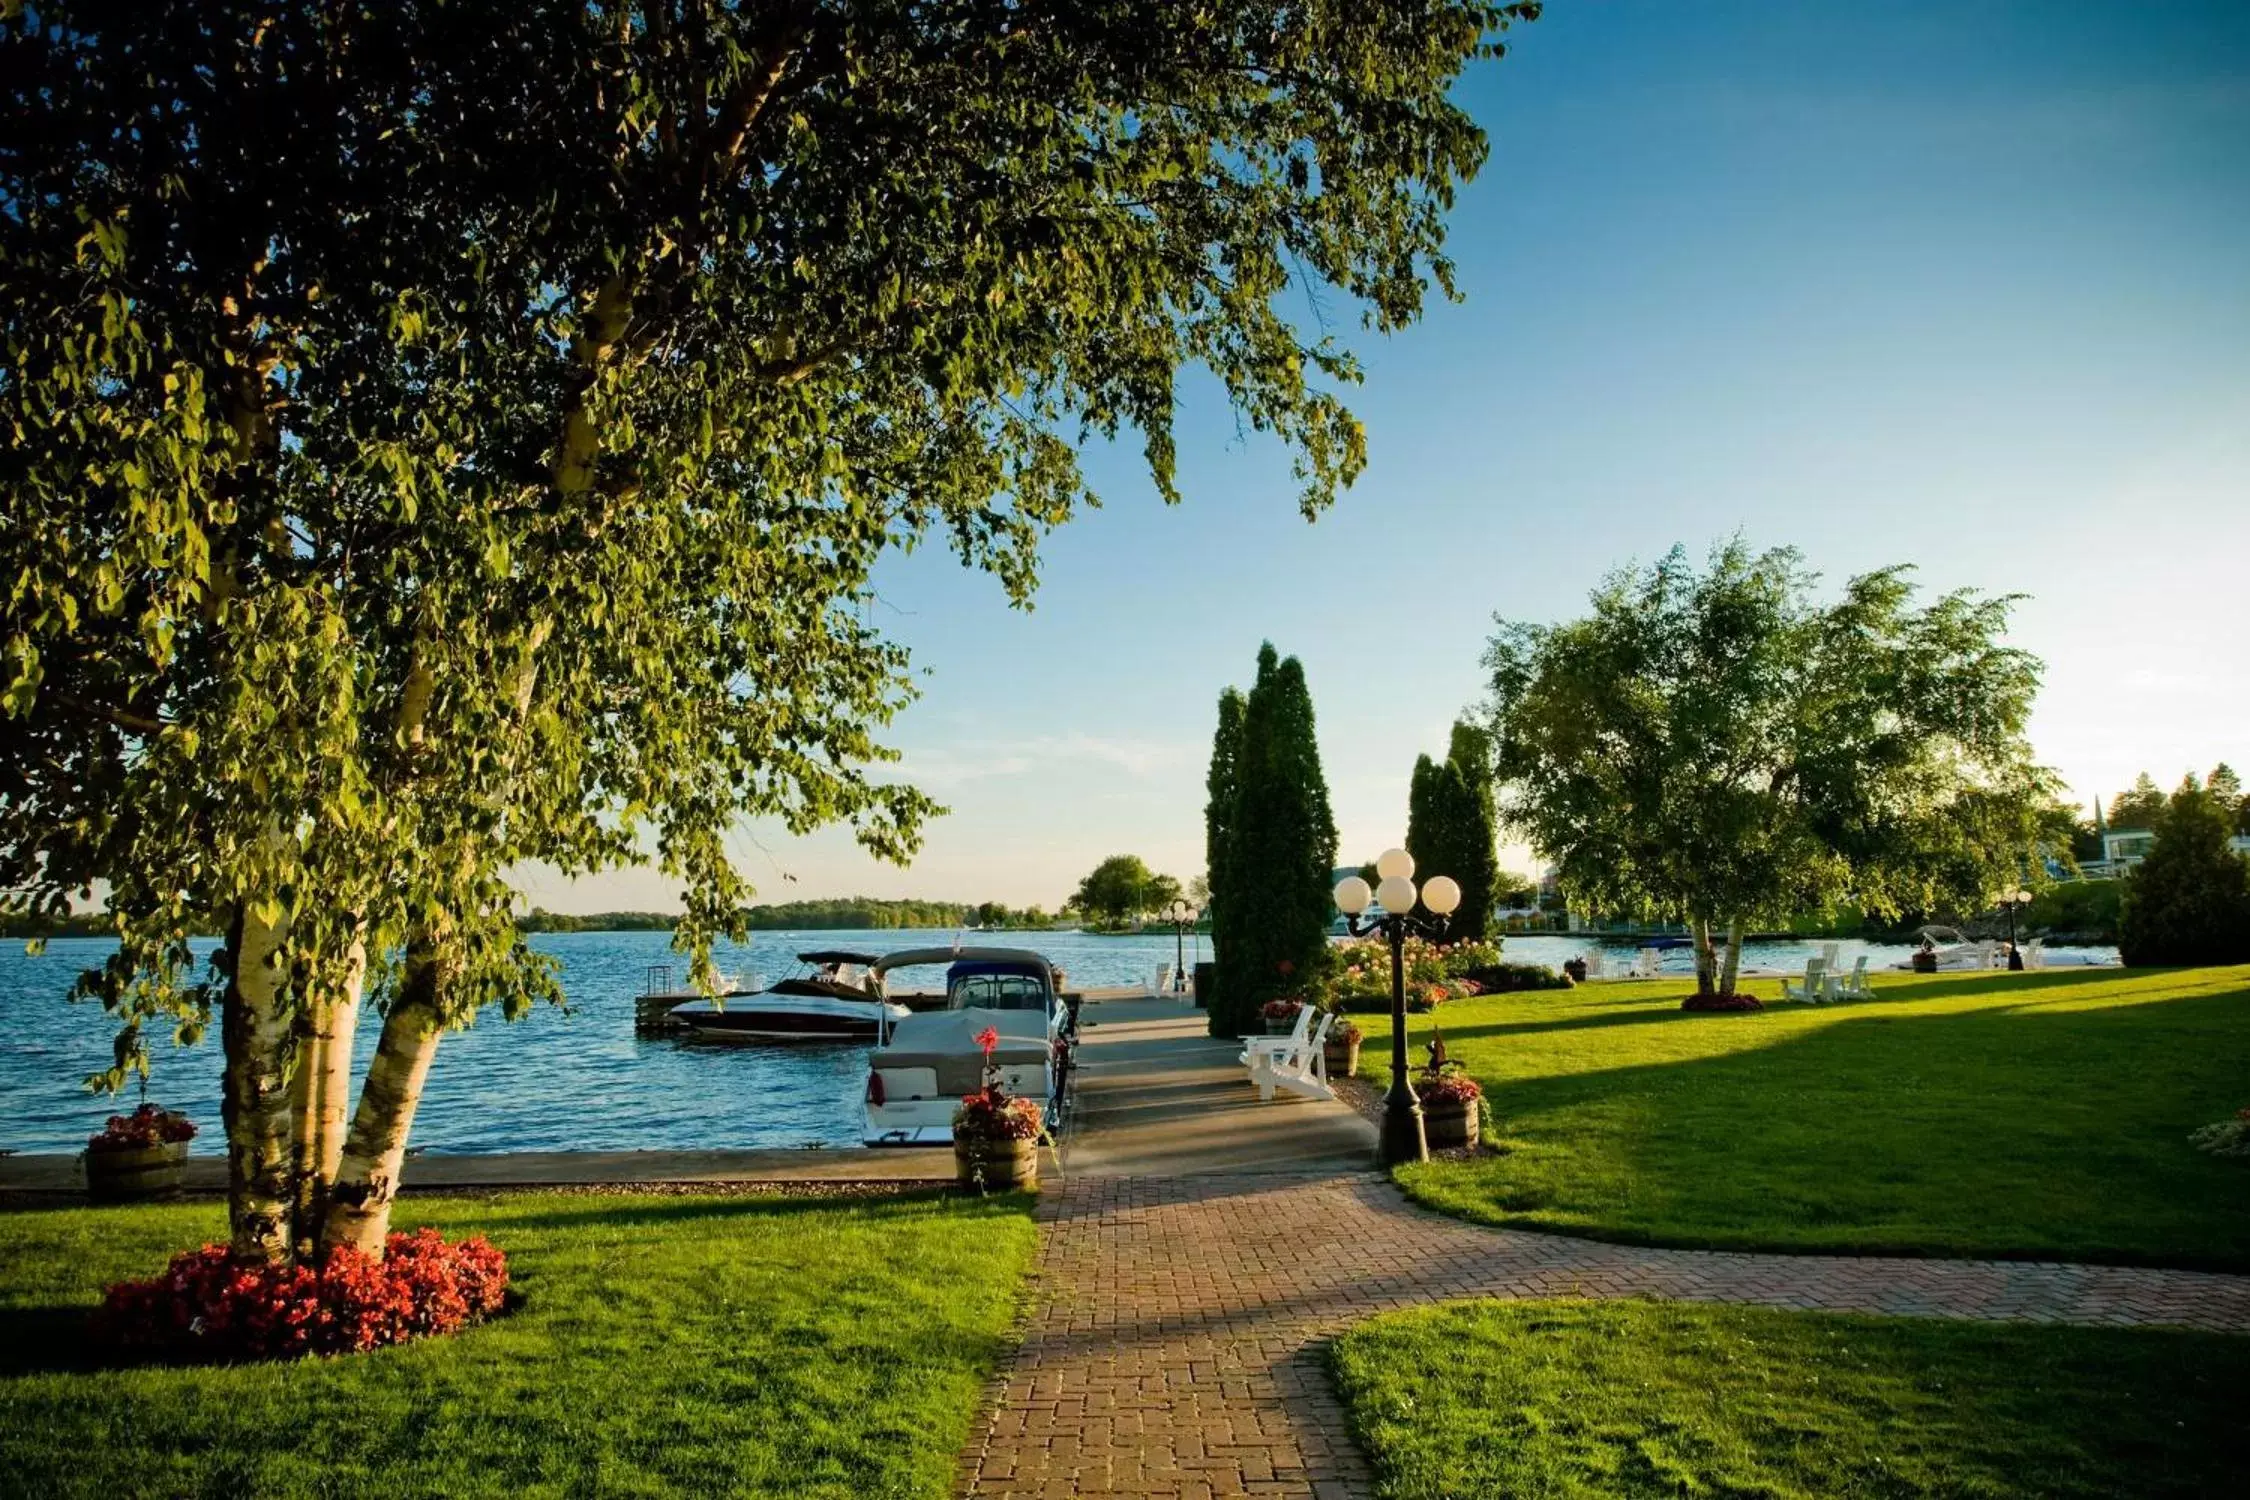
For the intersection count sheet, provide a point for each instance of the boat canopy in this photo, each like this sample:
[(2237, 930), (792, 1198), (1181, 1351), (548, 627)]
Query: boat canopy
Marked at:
[(838, 956), (1025, 960)]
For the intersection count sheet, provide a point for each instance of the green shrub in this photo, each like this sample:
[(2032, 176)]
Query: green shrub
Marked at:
[(1502, 979), (2189, 901)]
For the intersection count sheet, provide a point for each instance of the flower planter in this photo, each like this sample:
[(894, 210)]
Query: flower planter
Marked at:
[(1925, 963), (1449, 1123), (1341, 1056), (995, 1166), (136, 1171)]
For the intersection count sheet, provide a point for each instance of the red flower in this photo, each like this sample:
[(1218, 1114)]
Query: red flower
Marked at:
[(988, 1039)]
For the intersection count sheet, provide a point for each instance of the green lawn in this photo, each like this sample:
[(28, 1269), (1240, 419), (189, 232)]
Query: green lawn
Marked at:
[(1557, 1399), (665, 1346), (2041, 1114)]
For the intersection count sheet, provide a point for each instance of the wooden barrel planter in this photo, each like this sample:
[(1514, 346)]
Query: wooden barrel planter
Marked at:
[(1449, 1123), (136, 1172), (1341, 1056), (996, 1166)]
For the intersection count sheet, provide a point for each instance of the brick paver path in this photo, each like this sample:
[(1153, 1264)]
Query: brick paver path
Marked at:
[(1174, 1340)]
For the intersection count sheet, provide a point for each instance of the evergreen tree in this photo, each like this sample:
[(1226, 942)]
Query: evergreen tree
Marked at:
[(1451, 827), (1475, 852), (2138, 808), (1427, 820), (1218, 844), (1281, 850), (2189, 901)]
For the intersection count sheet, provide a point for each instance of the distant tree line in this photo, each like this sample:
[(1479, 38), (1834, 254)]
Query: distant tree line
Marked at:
[(833, 914)]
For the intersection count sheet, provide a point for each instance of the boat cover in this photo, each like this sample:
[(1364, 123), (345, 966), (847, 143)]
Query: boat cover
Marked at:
[(838, 956), (932, 1038)]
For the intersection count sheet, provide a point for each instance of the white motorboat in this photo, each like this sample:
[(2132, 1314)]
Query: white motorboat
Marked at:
[(840, 1000), (928, 1061)]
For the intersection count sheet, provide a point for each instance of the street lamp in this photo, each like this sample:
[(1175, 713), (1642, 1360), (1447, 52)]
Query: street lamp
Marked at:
[(1182, 917), (2015, 954), (1402, 1112)]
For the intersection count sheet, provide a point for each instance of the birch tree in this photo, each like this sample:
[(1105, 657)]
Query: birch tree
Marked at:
[(441, 437)]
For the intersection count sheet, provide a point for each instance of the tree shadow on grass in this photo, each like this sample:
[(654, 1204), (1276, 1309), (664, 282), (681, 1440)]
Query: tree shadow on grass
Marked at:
[(57, 1340)]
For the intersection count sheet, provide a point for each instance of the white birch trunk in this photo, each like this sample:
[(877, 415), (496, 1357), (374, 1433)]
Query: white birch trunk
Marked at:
[(1733, 970), (367, 1178), (255, 1033), (1706, 962), (321, 1092)]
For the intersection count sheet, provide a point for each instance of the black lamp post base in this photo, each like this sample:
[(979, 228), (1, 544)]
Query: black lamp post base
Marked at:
[(1403, 1139)]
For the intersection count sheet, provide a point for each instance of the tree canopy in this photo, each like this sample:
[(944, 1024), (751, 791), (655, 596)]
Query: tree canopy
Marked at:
[(443, 437), (1719, 746), (1123, 887)]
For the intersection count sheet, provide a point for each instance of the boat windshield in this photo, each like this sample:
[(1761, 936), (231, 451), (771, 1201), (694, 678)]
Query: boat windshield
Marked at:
[(976, 986)]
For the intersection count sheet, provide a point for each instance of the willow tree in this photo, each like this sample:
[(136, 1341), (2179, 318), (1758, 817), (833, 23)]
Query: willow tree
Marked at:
[(441, 437), (1723, 748)]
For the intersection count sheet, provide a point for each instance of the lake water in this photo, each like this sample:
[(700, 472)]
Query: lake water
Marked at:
[(579, 1079)]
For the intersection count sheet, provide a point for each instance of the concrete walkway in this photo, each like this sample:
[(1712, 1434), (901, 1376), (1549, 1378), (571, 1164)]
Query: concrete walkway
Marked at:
[(1157, 1096), (1188, 1279)]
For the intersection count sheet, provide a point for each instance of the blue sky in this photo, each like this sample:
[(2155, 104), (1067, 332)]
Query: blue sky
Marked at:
[(1965, 285)]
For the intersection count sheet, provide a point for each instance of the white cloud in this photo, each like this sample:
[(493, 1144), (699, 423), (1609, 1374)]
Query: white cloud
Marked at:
[(969, 760)]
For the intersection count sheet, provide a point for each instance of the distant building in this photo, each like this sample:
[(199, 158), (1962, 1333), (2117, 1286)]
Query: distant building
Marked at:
[(2123, 848)]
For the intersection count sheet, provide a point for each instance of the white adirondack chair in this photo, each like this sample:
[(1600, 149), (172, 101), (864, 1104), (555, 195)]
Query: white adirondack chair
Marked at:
[(1856, 988), (1811, 990), (1253, 1046), (1594, 964), (2035, 953), (1301, 1070), (1831, 956), (1644, 964)]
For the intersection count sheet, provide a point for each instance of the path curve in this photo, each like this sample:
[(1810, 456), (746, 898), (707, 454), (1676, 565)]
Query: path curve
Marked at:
[(1173, 1337)]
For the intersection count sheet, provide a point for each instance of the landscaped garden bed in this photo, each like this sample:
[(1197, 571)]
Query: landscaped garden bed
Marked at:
[(662, 1345), (2039, 1115), (1635, 1398)]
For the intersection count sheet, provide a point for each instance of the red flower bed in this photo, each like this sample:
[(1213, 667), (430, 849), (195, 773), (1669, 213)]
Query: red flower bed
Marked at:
[(206, 1306), (1721, 1002)]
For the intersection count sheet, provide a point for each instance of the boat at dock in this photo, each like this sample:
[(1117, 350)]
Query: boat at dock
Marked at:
[(840, 999), (927, 1061)]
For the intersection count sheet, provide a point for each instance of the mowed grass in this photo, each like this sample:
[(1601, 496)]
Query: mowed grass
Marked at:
[(2042, 1114), (1605, 1399), (664, 1346)]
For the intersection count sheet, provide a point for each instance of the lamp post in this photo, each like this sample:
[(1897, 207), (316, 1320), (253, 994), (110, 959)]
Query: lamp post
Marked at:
[(1182, 917), (1402, 1112), (2015, 953)]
